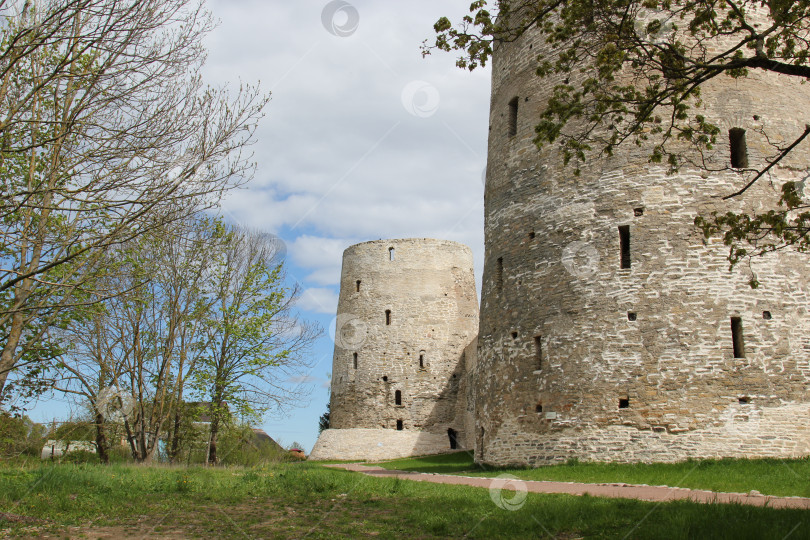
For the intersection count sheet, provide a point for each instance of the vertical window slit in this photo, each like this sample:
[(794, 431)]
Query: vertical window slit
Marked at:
[(624, 240), (513, 117), (355, 360), (391, 254), (739, 150), (737, 337), (538, 352), (358, 285), (388, 317), (399, 425), (398, 397)]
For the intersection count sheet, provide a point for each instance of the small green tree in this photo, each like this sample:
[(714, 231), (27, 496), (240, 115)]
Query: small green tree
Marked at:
[(74, 430), (255, 342), (20, 436), (323, 421)]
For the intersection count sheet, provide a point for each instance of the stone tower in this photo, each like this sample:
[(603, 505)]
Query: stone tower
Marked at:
[(610, 330), (407, 311)]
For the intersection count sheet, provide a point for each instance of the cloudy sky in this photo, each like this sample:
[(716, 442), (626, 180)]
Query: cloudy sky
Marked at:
[(362, 139)]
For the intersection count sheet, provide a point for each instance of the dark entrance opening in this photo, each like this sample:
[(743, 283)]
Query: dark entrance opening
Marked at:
[(452, 435)]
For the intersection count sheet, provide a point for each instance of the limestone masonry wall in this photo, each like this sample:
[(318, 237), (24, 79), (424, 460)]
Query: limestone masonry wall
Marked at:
[(608, 324), (610, 330), (376, 444), (407, 311)]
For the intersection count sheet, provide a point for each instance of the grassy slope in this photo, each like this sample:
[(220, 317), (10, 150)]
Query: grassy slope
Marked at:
[(768, 476), (297, 500)]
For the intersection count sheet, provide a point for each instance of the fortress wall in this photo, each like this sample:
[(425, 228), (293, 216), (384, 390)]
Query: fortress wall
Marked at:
[(407, 311), (635, 363), (465, 407), (739, 432), (376, 444)]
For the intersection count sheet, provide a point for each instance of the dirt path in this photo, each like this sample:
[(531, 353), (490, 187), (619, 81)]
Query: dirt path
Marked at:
[(617, 491)]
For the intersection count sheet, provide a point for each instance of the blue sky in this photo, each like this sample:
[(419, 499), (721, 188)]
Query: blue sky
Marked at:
[(362, 139)]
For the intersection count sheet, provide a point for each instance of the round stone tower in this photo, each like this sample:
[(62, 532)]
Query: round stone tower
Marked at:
[(610, 330), (407, 311)]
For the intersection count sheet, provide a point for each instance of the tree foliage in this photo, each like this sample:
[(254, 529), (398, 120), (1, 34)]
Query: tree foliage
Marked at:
[(20, 436), (200, 311), (141, 340), (323, 421), (106, 131), (632, 71), (255, 341)]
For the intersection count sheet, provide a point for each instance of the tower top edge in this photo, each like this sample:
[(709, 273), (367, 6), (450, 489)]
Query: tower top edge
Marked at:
[(394, 242)]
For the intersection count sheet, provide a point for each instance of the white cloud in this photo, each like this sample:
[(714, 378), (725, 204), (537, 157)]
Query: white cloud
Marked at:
[(304, 379), (323, 256), (319, 300), (338, 154), (340, 159)]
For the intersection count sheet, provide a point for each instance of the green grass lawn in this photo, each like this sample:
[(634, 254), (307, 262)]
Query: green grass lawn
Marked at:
[(307, 500), (768, 476)]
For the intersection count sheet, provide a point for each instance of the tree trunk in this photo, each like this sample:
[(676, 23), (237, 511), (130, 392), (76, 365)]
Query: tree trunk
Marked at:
[(7, 356), (131, 439), (212, 441), (174, 449), (102, 445), (143, 456)]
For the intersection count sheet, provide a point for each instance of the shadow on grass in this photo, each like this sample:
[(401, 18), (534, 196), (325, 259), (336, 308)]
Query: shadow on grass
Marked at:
[(306, 500), (458, 462)]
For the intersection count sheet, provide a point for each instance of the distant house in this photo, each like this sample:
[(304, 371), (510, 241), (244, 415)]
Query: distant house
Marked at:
[(261, 437), (54, 448)]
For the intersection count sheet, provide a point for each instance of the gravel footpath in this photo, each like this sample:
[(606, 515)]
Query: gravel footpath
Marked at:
[(616, 491)]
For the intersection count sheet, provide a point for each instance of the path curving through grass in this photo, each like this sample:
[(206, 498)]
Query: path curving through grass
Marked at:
[(610, 490)]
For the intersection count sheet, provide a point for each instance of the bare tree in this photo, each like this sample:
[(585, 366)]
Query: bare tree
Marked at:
[(92, 368), (106, 131), (142, 342)]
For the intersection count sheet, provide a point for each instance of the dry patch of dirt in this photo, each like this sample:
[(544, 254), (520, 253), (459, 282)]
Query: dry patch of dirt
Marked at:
[(14, 518), (256, 518)]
